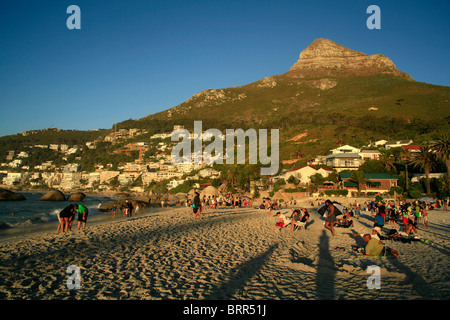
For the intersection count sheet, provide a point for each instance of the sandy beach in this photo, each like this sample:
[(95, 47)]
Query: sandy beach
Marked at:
[(229, 254)]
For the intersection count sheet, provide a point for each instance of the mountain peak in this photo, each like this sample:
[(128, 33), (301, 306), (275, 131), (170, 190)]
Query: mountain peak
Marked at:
[(329, 57)]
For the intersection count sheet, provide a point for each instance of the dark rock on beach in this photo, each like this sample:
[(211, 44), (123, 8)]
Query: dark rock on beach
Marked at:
[(77, 196), (55, 195), (6, 195)]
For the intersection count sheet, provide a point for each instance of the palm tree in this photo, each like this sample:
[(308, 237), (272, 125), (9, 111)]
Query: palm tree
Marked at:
[(442, 149), (358, 178), (405, 156), (426, 160), (387, 160)]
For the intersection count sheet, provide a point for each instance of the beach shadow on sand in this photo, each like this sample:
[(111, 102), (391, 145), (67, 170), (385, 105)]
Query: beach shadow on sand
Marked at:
[(240, 276), (326, 272)]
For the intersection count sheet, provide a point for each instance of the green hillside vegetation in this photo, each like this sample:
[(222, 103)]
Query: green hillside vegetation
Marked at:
[(315, 109)]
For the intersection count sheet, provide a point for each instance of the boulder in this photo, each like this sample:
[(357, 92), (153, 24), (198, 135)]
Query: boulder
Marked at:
[(107, 207), (55, 195), (78, 196), (6, 195), (209, 191)]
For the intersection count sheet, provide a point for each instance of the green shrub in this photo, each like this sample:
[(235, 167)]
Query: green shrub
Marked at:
[(414, 194)]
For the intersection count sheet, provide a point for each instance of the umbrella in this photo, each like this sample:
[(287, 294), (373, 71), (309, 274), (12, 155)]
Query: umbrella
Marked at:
[(322, 209), (427, 199)]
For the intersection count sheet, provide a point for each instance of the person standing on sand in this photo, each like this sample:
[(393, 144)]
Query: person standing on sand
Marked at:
[(64, 216), (130, 208), (114, 209), (82, 215), (330, 221), (196, 206), (424, 214)]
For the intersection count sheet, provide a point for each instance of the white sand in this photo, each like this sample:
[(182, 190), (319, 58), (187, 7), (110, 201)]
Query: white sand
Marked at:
[(226, 255)]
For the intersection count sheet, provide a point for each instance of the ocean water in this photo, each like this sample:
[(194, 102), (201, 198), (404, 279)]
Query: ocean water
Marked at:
[(35, 212)]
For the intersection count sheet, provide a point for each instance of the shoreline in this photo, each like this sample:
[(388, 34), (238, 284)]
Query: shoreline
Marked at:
[(14, 233)]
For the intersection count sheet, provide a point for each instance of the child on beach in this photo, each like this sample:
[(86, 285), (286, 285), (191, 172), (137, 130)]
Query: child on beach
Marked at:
[(114, 209)]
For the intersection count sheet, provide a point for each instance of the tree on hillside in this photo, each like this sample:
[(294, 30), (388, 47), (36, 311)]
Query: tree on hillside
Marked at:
[(405, 157), (358, 178), (426, 160), (442, 149), (387, 160)]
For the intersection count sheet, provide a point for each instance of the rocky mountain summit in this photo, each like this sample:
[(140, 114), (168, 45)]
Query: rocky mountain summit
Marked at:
[(327, 57)]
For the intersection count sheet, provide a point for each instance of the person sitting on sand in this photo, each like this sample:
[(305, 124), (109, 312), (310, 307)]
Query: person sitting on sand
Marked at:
[(376, 233), (295, 220), (375, 247), (282, 220), (345, 222), (305, 217)]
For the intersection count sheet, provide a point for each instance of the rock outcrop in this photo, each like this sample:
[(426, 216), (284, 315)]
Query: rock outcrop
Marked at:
[(326, 57), (77, 196), (6, 195), (55, 195)]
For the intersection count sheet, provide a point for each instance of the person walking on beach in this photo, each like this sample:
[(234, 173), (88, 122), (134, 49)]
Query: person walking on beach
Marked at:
[(196, 206), (82, 215), (114, 209), (330, 221), (130, 208)]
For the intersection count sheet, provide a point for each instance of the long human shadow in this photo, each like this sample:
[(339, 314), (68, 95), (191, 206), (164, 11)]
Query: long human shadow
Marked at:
[(326, 271), (420, 285), (239, 276)]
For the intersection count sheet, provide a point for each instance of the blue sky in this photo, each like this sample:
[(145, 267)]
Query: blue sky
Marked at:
[(134, 58)]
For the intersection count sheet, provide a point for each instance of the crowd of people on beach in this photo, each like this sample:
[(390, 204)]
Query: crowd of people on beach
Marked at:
[(403, 217), (211, 202), (392, 220)]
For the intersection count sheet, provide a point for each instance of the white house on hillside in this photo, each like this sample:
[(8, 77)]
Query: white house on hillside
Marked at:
[(304, 173), (397, 143), (367, 155), (344, 161), (345, 149)]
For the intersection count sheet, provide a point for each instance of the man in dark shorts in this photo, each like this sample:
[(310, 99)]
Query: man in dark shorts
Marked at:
[(82, 215), (64, 217), (196, 206), (331, 217)]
